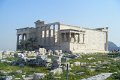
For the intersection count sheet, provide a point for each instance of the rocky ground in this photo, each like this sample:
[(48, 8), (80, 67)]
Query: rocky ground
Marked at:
[(51, 66)]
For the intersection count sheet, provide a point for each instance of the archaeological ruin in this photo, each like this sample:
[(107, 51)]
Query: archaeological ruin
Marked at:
[(68, 38)]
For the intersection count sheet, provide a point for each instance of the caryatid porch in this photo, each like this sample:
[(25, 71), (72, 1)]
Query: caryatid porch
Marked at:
[(71, 35)]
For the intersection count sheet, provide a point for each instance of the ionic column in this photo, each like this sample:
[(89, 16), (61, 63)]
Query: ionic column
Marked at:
[(18, 39), (17, 47), (78, 37), (58, 35), (49, 36), (24, 37), (45, 36), (54, 34), (41, 36), (106, 47)]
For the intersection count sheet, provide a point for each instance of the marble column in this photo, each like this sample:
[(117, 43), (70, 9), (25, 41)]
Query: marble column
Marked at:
[(45, 36), (25, 36), (49, 36), (17, 41), (58, 35), (41, 38), (54, 34), (78, 37), (106, 46)]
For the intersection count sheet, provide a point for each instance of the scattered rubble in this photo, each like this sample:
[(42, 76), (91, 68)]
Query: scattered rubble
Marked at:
[(57, 71), (101, 76), (54, 61), (77, 63), (38, 76)]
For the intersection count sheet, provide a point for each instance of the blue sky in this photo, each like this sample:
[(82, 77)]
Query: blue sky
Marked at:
[(85, 13)]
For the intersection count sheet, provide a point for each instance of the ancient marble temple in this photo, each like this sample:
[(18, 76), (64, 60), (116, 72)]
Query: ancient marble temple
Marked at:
[(68, 38)]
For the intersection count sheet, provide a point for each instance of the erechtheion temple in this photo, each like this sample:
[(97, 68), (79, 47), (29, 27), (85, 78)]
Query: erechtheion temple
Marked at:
[(57, 36)]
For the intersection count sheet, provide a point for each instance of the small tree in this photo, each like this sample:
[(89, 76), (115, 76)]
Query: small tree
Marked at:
[(29, 44)]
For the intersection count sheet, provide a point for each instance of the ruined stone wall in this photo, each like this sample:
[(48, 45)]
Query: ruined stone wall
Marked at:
[(30, 32), (95, 40)]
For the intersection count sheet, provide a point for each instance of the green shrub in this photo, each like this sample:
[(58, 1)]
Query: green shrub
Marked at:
[(48, 77), (116, 76)]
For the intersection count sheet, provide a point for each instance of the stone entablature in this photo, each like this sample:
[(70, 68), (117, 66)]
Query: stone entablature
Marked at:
[(57, 36)]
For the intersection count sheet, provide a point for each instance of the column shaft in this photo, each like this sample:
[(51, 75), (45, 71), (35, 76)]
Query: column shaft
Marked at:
[(58, 36), (106, 48), (78, 37), (49, 36), (54, 34), (45, 36), (17, 42), (17, 39)]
